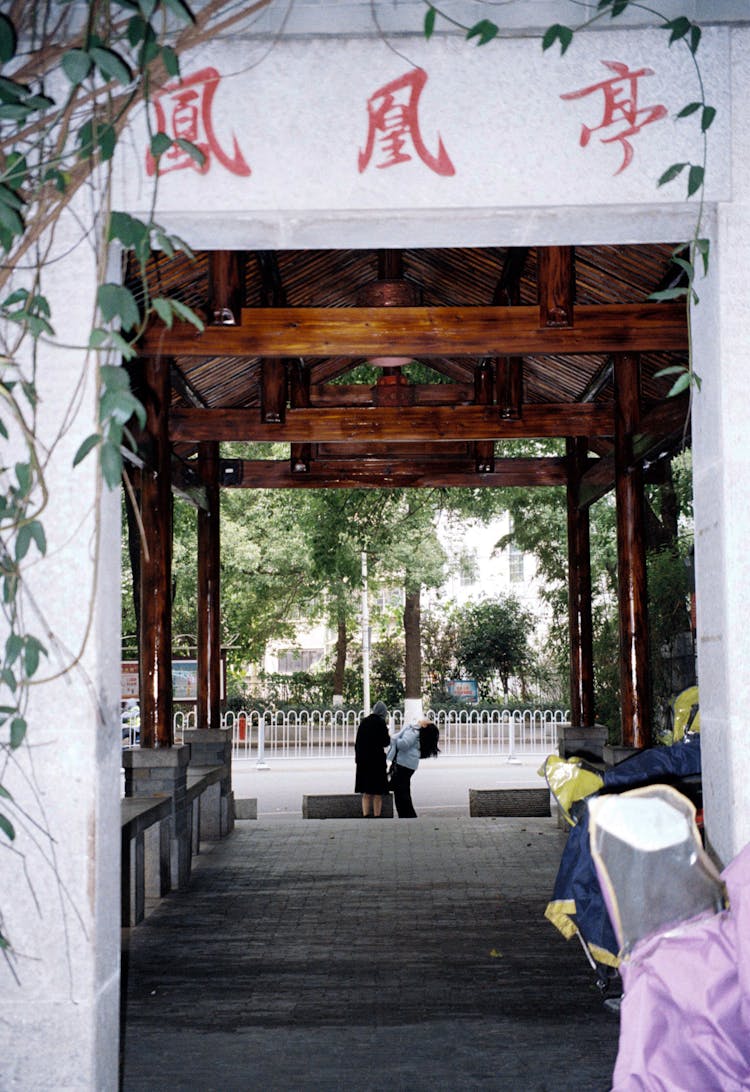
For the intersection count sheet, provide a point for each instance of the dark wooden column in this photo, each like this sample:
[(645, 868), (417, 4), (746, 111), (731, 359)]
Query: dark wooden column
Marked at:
[(631, 558), (226, 286), (556, 283), (299, 397), (155, 641), (484, 450), (208, 701), (579, 593)]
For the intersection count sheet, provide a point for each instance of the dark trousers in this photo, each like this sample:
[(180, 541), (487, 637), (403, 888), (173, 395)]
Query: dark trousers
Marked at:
[(402, 793)]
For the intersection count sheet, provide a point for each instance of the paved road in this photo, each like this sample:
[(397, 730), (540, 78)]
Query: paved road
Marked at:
[(365, 955), (440, 786)]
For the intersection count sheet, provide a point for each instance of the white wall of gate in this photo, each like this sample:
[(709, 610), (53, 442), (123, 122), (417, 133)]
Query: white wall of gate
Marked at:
[(318, 733)]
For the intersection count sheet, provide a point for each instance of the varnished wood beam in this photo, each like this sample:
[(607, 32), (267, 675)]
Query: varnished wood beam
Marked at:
[(398, 473), (359, 394), (226, 285), (425, 332), (384, 423)]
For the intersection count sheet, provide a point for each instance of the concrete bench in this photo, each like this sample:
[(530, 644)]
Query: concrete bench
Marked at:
[(147, 830), (509, 802), (345, 805)]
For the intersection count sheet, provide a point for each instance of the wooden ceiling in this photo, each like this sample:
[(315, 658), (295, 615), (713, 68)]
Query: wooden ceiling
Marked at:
[(481, 317)]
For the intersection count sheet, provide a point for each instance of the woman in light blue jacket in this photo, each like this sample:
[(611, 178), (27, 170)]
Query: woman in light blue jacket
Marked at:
[(413, 742)]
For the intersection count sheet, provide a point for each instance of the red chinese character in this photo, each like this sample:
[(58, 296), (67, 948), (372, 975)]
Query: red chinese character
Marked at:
[(620, 108), (394, 120), (183, 111)]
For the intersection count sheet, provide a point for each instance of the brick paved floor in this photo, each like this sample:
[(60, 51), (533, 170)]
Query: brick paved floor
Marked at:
[(365, 955)]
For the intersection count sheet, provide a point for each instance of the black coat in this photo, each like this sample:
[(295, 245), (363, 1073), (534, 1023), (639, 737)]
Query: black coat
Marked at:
[(369, 754)]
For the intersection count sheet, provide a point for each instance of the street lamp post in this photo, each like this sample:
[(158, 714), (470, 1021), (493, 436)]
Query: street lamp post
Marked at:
[(365, 639)]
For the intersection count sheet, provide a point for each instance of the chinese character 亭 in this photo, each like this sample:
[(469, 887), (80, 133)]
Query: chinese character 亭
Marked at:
[(621, 114)]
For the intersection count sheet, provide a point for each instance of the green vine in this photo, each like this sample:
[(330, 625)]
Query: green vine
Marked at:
[(688, 33)]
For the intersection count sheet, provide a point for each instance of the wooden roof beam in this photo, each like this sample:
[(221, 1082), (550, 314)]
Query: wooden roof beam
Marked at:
[(424, 332), (386, 423), (393, 473)]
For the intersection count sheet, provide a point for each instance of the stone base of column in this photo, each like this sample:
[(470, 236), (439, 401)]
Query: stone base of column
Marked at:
[(573, 739), (163, 772), (616, 753), (213, 747)]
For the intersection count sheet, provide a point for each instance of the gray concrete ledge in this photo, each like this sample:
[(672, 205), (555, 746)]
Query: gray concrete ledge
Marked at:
[(513, 802), (246, 809), (347, 805)]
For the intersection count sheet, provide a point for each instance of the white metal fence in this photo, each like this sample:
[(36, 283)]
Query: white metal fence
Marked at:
[(331, 732)]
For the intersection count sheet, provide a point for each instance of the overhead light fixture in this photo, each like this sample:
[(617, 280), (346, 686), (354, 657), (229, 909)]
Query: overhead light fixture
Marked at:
[(388, 293)]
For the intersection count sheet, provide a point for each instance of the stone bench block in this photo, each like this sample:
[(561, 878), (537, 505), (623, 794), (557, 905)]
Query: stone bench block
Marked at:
[(346, 805), (246, 809), (509, 802)]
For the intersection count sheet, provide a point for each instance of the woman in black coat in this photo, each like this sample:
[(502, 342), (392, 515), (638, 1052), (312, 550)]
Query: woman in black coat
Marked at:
[(369, 755)]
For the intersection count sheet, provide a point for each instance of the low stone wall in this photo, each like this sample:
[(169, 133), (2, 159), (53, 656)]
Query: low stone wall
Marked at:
[(509, 802), (246, 809), (347, 805)]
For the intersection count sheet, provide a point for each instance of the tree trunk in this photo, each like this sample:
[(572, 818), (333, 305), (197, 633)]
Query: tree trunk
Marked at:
[(413, 648), (338, 671)]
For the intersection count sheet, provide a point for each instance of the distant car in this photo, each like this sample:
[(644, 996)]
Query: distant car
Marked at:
[(130, 721)]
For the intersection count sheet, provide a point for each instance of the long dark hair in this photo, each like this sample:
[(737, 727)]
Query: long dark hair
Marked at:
[(428, 740)]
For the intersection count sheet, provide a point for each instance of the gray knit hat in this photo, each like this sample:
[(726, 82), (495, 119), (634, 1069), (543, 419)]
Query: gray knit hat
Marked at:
[(380, 709)]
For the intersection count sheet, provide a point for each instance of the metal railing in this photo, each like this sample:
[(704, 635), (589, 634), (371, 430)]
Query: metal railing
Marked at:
[(331, 732)]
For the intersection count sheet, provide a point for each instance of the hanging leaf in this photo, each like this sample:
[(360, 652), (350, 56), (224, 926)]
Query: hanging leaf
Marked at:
[(668, 294), (111, 462), (16, 170), (429, 22), (7, 39), (7, 827), (32, 653), (182, 11), (187, 313), (117, 302), (555, 33), (695, 179), (17, 732), (703, 247), (170, 60), (709, 113), (192, 150), (695, 38), (13, 648), (163, 309), (691, 107), (484, 30), (160, 143), (88, 445), (671, 173), (679, 385), (678, 28), (76, 65), (111, 65), (619, 7)]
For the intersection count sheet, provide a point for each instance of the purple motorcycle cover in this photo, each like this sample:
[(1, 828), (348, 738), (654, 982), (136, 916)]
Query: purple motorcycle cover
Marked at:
[(685, 1015)]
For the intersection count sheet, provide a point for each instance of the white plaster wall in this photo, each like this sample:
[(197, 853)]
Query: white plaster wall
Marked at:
[(722, 494), (59, 989)]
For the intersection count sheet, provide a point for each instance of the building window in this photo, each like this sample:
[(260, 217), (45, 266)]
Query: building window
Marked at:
[(468, 570), (296, 659), (515, 565)]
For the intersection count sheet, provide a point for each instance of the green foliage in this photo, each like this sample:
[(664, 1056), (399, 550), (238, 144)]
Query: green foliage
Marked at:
[(387, 671), (493, 640)]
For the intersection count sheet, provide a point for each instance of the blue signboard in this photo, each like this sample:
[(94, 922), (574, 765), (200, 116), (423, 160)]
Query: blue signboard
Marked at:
[(463, 689)]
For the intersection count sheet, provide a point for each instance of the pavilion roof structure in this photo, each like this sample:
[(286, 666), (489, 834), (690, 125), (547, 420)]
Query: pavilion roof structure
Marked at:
[(521, 343)]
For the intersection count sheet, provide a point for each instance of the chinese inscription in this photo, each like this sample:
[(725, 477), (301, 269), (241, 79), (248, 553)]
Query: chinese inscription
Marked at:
[(183, 111), (393, 134), (622, 118)]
